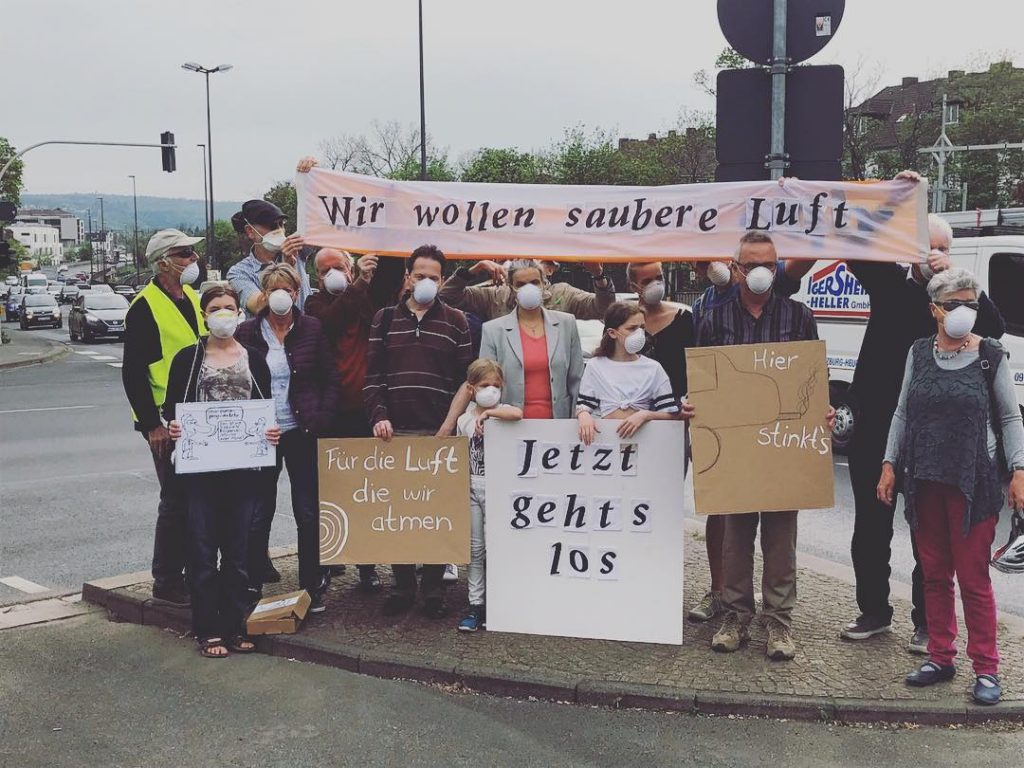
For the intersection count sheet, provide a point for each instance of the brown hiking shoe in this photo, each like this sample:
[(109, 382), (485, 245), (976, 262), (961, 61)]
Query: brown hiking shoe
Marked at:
[(781, 646), (709, 607), (732, 634)]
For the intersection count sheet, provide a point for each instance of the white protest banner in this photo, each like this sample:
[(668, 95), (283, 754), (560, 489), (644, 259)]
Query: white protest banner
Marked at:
[(585, 541), (230, 434), (881, 221)]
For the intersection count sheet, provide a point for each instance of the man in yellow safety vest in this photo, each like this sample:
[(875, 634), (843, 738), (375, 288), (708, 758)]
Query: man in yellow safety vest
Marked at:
[(164, 318)]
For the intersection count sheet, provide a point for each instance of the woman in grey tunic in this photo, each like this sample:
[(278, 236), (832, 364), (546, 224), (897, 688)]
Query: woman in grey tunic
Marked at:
[(956, 448)]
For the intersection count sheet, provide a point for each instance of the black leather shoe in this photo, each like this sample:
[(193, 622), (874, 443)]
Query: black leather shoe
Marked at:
[(369, 582), (397, 604), (270, 574), (434, 608), (986, 690), (929, 674)]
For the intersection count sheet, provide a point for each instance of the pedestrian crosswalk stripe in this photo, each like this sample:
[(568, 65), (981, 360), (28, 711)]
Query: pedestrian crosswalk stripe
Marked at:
[(85, 352), (114, 365), (104, 358)]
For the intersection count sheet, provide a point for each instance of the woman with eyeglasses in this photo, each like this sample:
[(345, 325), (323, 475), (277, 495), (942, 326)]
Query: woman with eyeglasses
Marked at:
[(956, 452), (304, 384)]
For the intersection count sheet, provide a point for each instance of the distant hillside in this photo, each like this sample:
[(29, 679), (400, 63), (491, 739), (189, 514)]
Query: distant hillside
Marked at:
[(154, 212)]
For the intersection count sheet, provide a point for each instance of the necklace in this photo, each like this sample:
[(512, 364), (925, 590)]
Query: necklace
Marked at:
[(949, 355)]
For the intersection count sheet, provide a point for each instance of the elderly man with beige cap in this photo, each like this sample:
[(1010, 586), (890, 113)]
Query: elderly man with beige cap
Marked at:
[(164, 318)]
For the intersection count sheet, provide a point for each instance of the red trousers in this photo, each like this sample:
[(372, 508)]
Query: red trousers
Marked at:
[(944, 551)]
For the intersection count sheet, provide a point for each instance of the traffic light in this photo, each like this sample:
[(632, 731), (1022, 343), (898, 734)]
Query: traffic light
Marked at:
[(167, 153), (5, 254)]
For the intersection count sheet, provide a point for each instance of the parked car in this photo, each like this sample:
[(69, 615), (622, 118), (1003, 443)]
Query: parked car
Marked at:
[(96, 314), (125, 290), (40, 309), (53, 289), (68, 293), (13, 302), (101, 288)]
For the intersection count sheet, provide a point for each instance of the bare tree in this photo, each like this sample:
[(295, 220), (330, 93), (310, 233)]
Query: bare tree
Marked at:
[(860, 82), (389, 149)]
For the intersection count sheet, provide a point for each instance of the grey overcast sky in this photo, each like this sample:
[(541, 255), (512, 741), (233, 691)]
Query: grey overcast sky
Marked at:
[(499, 73)]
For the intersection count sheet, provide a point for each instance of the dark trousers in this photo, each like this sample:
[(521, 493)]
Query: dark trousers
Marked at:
[(220, 511), (353, 423), (431, 584), (871, 548), (170, 539), (297, 452)]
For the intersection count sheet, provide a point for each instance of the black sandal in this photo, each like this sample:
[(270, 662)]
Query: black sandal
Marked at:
[(236, 646), (207, 645)]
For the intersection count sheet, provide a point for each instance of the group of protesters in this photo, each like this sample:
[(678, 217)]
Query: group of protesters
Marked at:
[(388, 346)]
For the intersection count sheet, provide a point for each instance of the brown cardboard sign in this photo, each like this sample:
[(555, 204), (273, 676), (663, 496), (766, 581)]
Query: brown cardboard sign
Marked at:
[(278, 615), (759, 440), (402, 501)]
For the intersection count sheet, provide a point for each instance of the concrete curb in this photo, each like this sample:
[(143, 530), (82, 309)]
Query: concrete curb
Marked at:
[(55, 350), (521, 682)]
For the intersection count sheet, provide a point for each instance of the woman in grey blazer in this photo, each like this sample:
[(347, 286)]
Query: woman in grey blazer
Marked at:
[(538, 349)]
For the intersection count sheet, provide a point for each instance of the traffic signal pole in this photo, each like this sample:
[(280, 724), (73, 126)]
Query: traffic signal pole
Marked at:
[(84, 143)]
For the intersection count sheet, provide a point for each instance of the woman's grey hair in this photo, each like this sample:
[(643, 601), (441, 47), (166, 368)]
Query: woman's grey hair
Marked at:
[(950, 281), (938, 225), (276, 273), (526, 264)]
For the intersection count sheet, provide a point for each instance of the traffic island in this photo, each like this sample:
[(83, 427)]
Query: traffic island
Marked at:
[(24, 349), (829, 680)]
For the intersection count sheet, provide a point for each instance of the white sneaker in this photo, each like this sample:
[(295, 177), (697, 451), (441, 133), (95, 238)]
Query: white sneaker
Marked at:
[(451, 574)]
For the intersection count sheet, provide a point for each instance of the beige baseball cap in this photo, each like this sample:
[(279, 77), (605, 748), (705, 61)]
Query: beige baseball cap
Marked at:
[(161, 242)]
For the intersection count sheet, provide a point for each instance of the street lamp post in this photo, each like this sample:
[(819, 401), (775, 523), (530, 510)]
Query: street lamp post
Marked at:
[(423, 109), (103, 234), (206, 201), (135, 248), (191, 66)]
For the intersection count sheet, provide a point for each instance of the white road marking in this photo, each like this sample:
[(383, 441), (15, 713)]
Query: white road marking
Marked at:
[(23, 585), (843, 463), (115, 365), (54, 408), (104, 357), (84, 352)]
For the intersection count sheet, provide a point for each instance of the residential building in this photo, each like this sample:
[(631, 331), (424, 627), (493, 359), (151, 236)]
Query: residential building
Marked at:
[(43, 242), (72, 228)]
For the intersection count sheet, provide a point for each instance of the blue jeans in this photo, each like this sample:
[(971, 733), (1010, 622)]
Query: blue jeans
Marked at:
[(220, 511), (297, 452)]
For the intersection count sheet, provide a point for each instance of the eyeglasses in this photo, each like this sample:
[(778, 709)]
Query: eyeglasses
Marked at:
[(187, 253), (949, 306), (746, 269)]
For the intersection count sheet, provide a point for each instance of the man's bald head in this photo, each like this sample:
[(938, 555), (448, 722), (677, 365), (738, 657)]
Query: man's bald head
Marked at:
[(331, 258)]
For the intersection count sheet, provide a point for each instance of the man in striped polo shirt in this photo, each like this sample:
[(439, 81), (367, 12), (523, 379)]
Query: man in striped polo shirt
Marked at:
[(757, 316), (418, 354)]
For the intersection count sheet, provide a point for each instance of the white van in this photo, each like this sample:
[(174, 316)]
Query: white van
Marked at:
[(842, 308), (34, 279)]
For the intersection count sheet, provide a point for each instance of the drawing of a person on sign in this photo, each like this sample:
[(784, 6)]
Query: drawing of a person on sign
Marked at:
[(190, 431), (257, 436)]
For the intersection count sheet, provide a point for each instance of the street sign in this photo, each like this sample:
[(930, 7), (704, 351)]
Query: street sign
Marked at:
[(8, 211), (97, 237), (814, 123), (810, 25)]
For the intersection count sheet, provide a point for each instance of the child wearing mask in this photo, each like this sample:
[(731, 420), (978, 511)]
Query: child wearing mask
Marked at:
[(485, 379), (619, 383)]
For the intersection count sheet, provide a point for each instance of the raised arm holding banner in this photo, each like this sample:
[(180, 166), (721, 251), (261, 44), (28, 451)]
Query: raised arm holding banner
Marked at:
[(881, 221)]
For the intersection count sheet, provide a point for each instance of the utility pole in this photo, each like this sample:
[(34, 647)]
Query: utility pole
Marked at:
[(779, 68), (423, 109), (135, 248), (206, 204)]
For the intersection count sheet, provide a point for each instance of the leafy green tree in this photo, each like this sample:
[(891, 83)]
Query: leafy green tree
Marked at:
[(10, 186), (438, 169), (228, 245), (282, 194), (505, 166)]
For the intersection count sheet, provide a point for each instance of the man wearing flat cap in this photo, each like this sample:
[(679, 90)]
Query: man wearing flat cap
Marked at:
[(262, 223), (163, 319)]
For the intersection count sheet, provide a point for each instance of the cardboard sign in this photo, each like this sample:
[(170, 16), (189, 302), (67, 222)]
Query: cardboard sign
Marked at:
[(585, 541), (278, 615), (760, 441), (880, 221), (403, 501), (228, 434)]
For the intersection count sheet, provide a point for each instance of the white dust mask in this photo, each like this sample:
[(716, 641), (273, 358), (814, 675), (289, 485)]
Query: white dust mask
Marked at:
[(760, 279), (280, 302), (654, 292), (425, 291), (529, 296), (718, 273), (959, 322), (189, 274), (222, 323), (335, 281), (635, 342), (488, 397), (273, 240)]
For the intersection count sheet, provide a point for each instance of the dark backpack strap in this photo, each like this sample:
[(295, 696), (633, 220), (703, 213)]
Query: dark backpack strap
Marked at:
[(992, 355)]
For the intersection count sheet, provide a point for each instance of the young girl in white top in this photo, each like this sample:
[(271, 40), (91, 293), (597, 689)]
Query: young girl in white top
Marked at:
[(620, 383), (484, 377)]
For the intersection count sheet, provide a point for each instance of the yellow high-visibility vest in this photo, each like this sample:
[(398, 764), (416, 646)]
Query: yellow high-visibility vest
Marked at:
[(175, 334)]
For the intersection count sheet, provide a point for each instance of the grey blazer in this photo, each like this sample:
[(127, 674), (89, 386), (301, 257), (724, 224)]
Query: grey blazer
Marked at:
[(500, 342)]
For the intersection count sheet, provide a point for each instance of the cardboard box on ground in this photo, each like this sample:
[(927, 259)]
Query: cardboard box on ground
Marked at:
[(278, 615)]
